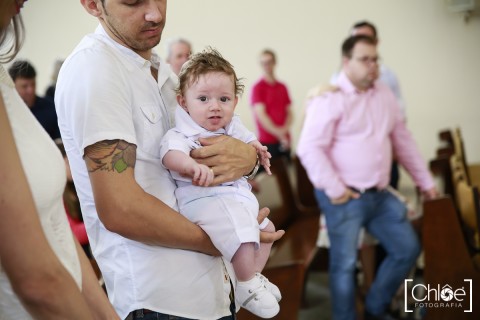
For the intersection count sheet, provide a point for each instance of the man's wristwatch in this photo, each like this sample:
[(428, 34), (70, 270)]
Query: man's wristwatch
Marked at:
[(253, 173)]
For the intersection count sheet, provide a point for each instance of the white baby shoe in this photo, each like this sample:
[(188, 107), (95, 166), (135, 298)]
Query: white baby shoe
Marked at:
[(254, 296), (270, 286)]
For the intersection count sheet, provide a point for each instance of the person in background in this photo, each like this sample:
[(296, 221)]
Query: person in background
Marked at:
[(44, 273), (207, 95), (178, 51), (50, 92), (370, 255), (271, 105), (24, 76), (388, 77), (155, 262), (72, 206), (346, 148)]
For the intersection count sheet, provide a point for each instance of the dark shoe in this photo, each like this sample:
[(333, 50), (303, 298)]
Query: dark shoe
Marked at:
[(383, 316)]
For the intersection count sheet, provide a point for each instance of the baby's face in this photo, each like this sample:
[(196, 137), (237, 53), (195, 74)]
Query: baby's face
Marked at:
[(211, 100)]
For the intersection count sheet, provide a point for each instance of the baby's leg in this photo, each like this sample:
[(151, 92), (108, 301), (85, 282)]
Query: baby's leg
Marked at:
[(262, 254), (243, 261), (251, 291)]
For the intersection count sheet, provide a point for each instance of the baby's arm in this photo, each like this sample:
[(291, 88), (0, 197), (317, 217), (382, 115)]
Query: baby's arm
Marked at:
[(182, 163), (264, 155)]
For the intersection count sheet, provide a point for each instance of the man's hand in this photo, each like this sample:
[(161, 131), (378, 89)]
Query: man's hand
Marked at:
[(268, 237), (229, 158), (321, 89), (347, 195), (431, 194)]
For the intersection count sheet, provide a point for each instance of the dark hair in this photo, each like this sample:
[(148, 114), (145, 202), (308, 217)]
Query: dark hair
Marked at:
[(271, 53), (350, 42), (12, 35), (22, 69), (365, 23), (209, 60)]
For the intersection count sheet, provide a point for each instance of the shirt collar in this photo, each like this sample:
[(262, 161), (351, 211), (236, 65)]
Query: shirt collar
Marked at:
[(346, 85), (186, 125), (163, 73)]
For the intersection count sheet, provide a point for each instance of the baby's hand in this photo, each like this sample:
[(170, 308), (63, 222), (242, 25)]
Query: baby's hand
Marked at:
[(264, 156), (202, 175)]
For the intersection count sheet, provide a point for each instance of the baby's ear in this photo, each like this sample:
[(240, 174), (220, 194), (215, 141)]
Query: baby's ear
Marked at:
[(181, 102), (235, 102)]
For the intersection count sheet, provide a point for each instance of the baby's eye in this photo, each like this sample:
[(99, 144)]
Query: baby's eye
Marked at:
[(224, 99), (202, 98)]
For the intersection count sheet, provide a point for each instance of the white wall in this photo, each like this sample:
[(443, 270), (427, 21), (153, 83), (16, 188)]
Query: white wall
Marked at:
[(435, 54)]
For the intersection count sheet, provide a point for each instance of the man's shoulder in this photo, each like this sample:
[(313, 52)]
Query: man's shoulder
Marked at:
[(322, 90), (44, 103), (95, 48), (281, 84), (259, 83), (385, 70), (383, 89)]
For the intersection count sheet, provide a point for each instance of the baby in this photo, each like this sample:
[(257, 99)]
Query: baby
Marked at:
[(207, 96)]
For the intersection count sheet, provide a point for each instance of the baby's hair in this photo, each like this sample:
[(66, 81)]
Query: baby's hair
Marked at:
[(209, 60)]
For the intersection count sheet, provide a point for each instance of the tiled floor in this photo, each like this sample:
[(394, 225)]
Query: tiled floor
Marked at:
[(318, 298)]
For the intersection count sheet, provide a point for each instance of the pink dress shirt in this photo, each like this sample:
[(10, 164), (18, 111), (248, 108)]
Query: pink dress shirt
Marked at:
[(347, 140)]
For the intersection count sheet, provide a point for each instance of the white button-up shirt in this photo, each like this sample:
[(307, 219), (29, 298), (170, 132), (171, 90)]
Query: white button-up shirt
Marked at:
[(105, 91)]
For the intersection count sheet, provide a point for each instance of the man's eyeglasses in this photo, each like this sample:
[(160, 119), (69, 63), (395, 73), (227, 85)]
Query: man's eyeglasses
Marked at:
[(368, 60)]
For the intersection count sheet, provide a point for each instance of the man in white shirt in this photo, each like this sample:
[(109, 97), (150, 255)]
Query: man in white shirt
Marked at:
[(115, 100)]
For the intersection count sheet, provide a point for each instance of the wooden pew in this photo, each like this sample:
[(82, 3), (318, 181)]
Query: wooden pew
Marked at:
[(448, 258), (468, 208), (451, 231), (452, 144), (472, 170), (467, 203), (291, 256)]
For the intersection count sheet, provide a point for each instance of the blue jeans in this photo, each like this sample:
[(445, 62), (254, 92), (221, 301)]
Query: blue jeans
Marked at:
[(384, 216)]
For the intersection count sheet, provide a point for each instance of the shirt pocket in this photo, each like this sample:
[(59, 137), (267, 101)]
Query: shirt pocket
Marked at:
[(153, 129)]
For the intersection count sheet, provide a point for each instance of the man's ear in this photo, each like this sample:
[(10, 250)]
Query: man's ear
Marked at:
[(345, 61), (94, 7), (181, 102)]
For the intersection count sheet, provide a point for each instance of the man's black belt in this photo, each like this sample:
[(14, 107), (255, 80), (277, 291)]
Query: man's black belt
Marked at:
[(367, 190)]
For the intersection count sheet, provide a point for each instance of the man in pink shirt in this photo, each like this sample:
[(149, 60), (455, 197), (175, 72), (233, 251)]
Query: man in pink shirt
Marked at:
[(346, 147)]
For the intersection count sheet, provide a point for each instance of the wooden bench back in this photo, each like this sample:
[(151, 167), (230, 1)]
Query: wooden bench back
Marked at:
[(459, 151), (468, 207), (305, 189)]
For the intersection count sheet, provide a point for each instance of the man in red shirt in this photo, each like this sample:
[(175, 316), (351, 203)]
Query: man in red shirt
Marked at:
[(271, 105)]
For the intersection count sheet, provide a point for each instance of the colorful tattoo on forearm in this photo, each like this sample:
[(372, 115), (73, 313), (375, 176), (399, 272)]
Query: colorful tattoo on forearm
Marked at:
[(110, 155)]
